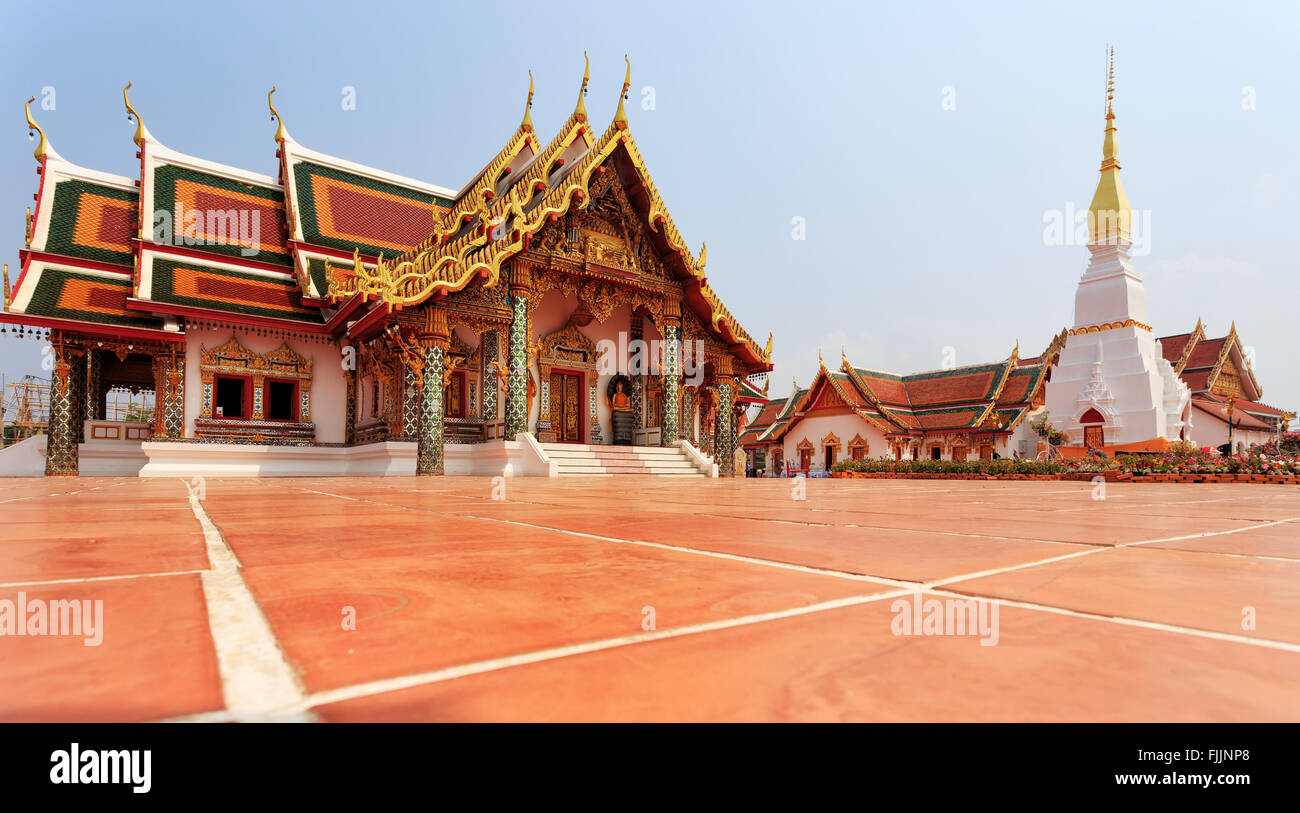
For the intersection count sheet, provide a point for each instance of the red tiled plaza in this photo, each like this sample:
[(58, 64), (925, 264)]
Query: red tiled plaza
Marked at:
[(651, 599)]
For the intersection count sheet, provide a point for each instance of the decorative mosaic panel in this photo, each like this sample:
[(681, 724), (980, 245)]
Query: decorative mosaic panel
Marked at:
[(411, 415), (489, 375), (61, 447), (672, 360), (517, 383), (350, 421), (428, 455), (688, 415), (725, 442), (94, 385), (174, 409)]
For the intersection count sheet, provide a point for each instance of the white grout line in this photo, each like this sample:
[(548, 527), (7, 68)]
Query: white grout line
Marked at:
[(256, 679), (840, 574), (1267, 643), (553, 653), (101, 578)]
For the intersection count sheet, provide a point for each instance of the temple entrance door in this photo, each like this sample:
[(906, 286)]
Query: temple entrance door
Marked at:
[(566, 406), (1094, 437)]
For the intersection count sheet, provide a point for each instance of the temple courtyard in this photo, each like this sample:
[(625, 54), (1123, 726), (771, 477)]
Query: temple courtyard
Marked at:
[(648, 599)]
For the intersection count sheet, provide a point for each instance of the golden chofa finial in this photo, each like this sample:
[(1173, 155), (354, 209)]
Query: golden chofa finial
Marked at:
[(141, 133), (767, 382), (620, 117), (844, 358), (43, 147), (280, 133), (581, 110), (6, 286), (704, 257), (767, 349), (528, 108)]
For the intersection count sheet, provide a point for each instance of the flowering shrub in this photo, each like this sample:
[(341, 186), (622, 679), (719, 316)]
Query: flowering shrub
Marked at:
[(1001, 466), (1178, 458)]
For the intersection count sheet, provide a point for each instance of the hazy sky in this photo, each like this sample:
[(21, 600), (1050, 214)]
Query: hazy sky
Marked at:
[(923, 147)]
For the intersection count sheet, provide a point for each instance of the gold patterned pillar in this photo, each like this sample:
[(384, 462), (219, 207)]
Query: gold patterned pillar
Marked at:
[(434, 341), (61, 446)]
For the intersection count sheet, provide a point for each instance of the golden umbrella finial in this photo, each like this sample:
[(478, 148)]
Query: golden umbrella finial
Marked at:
[(43, 147), (620, 117), (280, 133)]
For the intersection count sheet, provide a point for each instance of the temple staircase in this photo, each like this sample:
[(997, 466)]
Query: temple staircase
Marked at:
[(584, 460)]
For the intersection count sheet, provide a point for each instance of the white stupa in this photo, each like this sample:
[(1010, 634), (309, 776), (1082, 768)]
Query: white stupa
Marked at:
[(1112, 388)]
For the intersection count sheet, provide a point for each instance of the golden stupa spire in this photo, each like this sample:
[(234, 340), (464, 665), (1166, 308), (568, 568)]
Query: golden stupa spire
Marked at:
[(528, 107), (620, 117), (141, 132), (580, 112), (280, 133), (1109, 215), (43, 147)]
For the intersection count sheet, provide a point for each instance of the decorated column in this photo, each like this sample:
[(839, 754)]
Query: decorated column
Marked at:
[(95, 395), (488, 375), (350, 373), (671, 372), (61, 447), (517, 382), (433, 343), (726, 400), (688, 415), (410, 404), (174, 406)]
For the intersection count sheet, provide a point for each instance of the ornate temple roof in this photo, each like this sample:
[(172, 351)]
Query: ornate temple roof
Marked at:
[(991, 397), (260, 249)]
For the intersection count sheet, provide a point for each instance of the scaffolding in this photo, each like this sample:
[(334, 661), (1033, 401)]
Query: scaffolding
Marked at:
[(25, 407)]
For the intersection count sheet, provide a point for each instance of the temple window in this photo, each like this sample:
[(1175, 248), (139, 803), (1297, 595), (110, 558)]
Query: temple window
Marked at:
[(281, 400), (374, 399), (858, 452), (936, 453), (231, 397)]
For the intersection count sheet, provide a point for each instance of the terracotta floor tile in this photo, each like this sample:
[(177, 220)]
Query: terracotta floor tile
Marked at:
[(846, 665), (1199, 590), (155, 660)]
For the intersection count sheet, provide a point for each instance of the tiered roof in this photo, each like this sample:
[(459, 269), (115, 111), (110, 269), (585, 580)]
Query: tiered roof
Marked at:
[(1216, 369), (261, 248), (992, 397), (480, 236)]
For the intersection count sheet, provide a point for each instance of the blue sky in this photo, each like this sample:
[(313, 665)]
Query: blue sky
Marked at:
[(924, 225)]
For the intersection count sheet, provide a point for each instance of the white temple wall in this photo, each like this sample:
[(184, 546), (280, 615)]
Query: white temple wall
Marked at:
[(328, 387)]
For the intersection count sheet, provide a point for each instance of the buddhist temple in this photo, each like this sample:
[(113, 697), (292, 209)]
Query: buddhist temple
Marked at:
[(971, 412), (333, 318)]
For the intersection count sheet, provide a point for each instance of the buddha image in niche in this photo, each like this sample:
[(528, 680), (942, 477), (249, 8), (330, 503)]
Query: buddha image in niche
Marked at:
[(619, 394)]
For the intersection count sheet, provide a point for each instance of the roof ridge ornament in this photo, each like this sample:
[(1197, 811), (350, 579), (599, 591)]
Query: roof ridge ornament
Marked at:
[(528, 107), (620, 117), (580, 112), (704, 257), (281, 134), (43, 148), (141, 132)]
